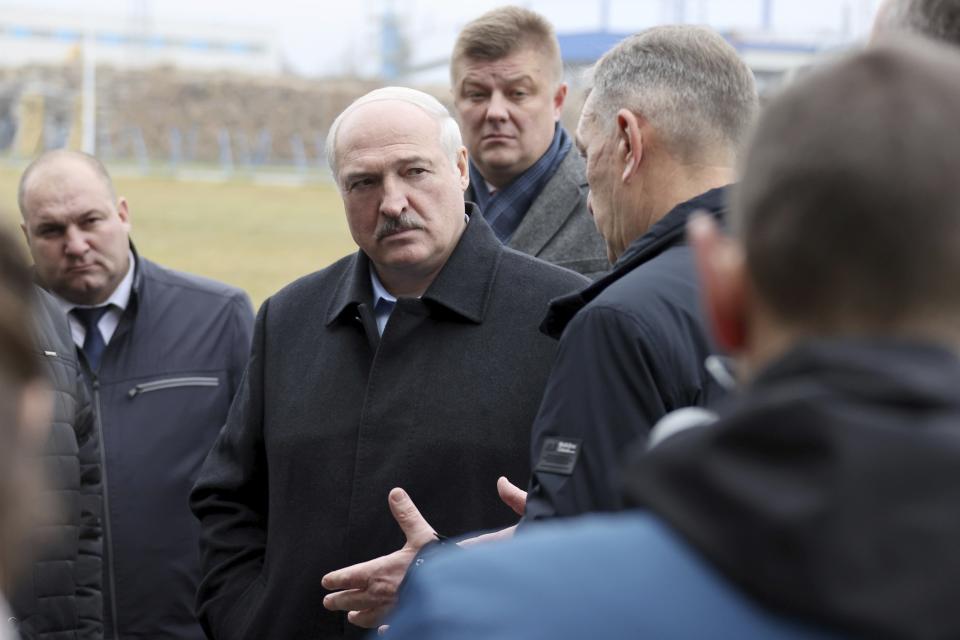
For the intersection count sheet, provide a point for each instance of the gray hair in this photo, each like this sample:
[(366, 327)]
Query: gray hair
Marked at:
[(938, 19), (687, 81), (450, 138)]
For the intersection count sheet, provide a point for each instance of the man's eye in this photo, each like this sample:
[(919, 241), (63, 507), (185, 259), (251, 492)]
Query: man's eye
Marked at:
[(416, 171), (360, 184), (520, 94)]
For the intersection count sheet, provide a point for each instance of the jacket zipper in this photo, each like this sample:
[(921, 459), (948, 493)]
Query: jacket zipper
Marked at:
[(170, 383), (108, 533)]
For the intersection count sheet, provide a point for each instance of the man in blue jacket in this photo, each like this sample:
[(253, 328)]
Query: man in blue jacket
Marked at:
[(163, 353), (822, 503)]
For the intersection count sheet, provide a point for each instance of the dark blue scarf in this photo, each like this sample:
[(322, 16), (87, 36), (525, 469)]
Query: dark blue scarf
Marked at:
[(504, 210)]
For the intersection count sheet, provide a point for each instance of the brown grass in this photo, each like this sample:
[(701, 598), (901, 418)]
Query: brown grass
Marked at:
[(257, 237)]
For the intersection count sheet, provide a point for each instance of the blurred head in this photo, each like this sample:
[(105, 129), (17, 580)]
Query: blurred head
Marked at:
[(847, 218), (937, 19), (401, 171), (24, 405), (507, 78), (667, 105), (77, 229)]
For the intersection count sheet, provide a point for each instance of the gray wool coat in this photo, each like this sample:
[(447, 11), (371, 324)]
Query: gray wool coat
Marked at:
[(331, 416), (558, 227)]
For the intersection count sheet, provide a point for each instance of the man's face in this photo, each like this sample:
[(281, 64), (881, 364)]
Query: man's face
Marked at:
[(402, 193), (597, 147), (507, 109), (78, 235)]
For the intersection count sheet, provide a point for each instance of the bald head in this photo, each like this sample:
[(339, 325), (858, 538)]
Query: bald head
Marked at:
[(448, 132), (62, 160), (76, 227)]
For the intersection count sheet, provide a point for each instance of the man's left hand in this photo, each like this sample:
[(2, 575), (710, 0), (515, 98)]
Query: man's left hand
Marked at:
[(368, 590)]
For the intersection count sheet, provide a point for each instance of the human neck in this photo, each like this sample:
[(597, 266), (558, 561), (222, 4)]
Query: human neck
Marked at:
[(677, 184)]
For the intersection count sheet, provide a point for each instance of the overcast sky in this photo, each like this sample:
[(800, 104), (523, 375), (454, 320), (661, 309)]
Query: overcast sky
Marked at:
[(326, 36)]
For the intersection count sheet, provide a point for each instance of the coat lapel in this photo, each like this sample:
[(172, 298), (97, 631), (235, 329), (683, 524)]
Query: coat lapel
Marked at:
[(558, 200)]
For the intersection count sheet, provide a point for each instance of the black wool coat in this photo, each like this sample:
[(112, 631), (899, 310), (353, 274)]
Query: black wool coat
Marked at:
[(330, 416)]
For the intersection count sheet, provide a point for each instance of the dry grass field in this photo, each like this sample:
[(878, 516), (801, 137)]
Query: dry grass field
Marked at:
[(257, 237)]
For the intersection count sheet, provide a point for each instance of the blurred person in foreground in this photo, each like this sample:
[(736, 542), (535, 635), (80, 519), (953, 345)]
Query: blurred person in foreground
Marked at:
[(937, 19), (525, 174), (25, 413), (823, 501), (60, 596), (163, 353), (415, 362)]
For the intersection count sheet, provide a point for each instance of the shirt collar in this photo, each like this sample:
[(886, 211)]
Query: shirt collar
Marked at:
[(462, 286), (120, 297), (379, 291)]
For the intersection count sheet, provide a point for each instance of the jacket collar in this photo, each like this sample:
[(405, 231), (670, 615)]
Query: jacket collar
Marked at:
[(667, 232), (556, 202), (828, 488), (463, 285)]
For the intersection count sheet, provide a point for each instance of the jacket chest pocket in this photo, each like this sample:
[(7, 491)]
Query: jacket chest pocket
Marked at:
[(173, 383)]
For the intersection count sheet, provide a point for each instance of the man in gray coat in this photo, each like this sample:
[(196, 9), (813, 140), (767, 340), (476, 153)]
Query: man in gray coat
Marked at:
[(525, 174), (415, 362)]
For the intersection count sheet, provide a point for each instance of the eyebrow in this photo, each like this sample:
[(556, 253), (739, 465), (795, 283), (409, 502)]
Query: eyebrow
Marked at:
[(401, 162), (525, 77)]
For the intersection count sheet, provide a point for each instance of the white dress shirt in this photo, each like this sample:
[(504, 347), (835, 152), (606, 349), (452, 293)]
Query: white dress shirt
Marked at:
[(120, 298)]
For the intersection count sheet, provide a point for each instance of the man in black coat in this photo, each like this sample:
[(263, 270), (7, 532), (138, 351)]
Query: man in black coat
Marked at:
[(660, 131), (414, 363)]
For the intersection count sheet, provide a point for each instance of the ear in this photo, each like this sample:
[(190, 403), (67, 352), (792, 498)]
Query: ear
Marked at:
[(721, 269), (123, 210), (629, 143), (558, 99), (463, 168)]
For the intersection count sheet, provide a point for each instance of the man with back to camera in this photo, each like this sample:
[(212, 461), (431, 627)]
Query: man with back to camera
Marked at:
[(415, 362), (822, 504), (526, 177), (163, 353), (661, 132)]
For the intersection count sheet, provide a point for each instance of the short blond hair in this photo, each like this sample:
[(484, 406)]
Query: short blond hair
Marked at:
[(504, 31)]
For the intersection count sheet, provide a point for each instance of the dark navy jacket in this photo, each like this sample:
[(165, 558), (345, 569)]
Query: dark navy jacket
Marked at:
[(632, 350), (162, 393)]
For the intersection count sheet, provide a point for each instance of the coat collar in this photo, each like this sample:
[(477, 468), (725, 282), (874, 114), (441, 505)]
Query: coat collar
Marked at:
[(463, 285), (667, 232), (556, 202)]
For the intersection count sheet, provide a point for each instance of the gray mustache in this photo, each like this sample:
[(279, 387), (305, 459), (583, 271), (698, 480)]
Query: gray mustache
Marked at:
[(390, 226)]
